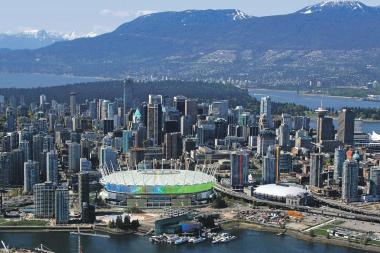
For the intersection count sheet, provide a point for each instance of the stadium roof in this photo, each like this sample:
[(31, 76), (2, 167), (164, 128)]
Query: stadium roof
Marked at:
[(158, 178), (280, 190)]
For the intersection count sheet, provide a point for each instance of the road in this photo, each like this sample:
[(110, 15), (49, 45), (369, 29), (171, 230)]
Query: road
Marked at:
[(330, 212)]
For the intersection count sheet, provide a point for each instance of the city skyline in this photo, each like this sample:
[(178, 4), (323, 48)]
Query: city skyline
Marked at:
[(97, 17), (190, 121)]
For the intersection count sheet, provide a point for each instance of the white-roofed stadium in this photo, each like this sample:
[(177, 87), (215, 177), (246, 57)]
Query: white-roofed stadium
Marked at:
[(158, 188), (290, 193)]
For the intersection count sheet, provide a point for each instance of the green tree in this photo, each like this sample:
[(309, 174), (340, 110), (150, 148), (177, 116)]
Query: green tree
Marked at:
[(219, 202), (119, 222), (126, 222), (134, 224)]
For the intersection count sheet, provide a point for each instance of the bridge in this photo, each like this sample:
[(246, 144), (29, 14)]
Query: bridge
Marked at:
[(345, 207)]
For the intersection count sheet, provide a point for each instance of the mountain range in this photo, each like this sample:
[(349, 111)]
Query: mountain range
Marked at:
[(335, 42), (32, 39)]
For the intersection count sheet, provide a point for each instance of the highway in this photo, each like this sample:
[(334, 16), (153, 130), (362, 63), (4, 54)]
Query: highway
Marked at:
[(313, 210), (342, 206)]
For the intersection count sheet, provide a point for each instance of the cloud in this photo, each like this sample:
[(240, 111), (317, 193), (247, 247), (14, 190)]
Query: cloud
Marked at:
[(125, 14)]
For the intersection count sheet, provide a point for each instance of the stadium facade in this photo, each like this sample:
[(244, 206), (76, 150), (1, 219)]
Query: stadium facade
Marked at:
[(158, 188)]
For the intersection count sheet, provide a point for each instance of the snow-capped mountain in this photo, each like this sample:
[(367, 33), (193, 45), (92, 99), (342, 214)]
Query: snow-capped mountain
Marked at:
[(33, 38), (329, 7), (334, 40)]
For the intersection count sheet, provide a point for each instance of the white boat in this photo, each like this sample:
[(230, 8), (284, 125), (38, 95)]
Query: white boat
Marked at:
[(223, 237), (198, 240), (228, 238), (216, 239), (156, 239), (181, 240), (171, 238)]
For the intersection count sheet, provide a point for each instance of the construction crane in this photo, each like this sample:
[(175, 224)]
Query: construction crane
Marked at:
[(5, 247), (43, 249), (78, 233)]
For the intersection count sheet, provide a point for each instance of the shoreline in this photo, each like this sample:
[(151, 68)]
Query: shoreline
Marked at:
[(306, 94), (36, 229), (228, 225), (233, 224)]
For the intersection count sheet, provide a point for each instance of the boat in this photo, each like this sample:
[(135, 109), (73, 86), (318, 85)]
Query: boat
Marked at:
[(198, 240), (181, 240), (223, 237), (157, 239), (228, 238), (216, 239), (171, 238)]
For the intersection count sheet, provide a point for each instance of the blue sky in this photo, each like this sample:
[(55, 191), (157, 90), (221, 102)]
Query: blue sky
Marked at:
[(99, 16)]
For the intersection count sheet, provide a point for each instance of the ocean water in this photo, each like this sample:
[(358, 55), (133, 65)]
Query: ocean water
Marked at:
[(25, 80), (248, 242)]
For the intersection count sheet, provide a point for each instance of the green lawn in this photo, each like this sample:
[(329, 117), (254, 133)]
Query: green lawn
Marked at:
[(376, 243), (320, 232)]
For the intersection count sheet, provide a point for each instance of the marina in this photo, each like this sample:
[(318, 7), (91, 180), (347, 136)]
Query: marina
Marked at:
[(178, 240), (247, 241)]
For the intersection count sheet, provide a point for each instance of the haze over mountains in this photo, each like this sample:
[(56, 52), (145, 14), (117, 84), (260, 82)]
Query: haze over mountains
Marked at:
[(336, 42)]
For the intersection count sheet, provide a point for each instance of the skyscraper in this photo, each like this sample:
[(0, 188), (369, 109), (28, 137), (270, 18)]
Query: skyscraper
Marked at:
[(44, 200), (266, 108), (374, 181), (48, 143), (85, 165), (321, 113), (220, 109), (110, 110), (25, 147), (155, 99), (339, 157), (127, 140), (206, 133), (30, 175), (52, 167), (316, 169), (74, 157), (265, 139), (191, 109), (154, 122), (108, 157), (186, 125), (172, 145), (83, 188), (179, 104), (73, 104), (42, 100), (17, 167), (346, 126), (5, 164), (239, 169), (284, 135), (61, 207), (350, 179), (269, 167), (221, 128), (38, 144), (10, 119)]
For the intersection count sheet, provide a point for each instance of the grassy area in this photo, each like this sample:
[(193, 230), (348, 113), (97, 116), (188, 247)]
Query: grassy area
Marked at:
[(320, 232), (375, 243), (4, 222)]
